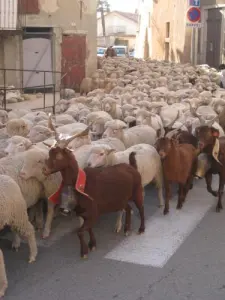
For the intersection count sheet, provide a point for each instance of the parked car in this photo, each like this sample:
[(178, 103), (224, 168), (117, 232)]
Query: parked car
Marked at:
[(121, 51), (101, 51)]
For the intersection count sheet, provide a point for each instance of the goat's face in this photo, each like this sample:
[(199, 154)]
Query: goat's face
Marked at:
[(206, 136), (163, 146), (59, 159)]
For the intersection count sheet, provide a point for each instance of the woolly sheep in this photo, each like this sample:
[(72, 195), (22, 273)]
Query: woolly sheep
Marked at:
[(17, 127), (86, 85), (13, 212), (112, 108), (135, 135), (3, 277)]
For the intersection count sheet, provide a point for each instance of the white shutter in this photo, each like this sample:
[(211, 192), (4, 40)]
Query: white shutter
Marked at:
[(8, 14)]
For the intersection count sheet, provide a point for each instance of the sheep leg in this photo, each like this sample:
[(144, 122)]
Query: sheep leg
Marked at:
[(208, 179), (92, 241), (127, 226), (16, 241), (83, 245), (221, 187), (119, 224), (167, 197), (181, 196), (49, 219), (3, 277), (39, 216), (26, 230)]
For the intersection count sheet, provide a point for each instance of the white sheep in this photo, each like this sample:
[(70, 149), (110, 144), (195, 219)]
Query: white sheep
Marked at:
[(132, 136), (3, 277), (13, 213), (17, 127)]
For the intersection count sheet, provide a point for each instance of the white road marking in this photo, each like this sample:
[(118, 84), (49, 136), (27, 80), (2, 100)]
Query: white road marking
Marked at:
[(165, 234)]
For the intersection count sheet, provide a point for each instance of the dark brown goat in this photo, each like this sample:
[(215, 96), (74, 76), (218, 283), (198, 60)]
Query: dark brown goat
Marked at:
[(95, 191), (211, 144), (183, 137), (174, 157)]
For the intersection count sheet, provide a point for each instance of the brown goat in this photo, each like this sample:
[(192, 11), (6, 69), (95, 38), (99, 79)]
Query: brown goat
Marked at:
[(94, 191), (179, 166), (183, 137), (211, 144)]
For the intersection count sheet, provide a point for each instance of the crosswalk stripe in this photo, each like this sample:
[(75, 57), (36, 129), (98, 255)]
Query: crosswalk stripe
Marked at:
[(164, 234)]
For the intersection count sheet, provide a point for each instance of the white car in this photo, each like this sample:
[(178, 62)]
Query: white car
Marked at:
[(121, 51)]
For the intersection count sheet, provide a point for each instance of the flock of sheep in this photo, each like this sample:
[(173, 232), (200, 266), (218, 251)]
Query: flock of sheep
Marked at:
[(125, 106)]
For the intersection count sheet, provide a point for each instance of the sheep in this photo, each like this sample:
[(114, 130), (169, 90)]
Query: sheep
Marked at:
[(112, 108), (95, 196), (32, 190), (214, 146), (174, 156), (86, 86), (67, 94), (39, 133), (17, 127), (3, 277), (3, 116), (13, 213), (17, 144), (97, 121), (135, 135), (148, 162)]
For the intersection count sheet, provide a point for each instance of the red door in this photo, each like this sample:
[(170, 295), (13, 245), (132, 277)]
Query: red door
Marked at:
[(73, 60)]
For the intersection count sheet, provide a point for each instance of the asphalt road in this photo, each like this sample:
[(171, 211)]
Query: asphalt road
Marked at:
[(185, 263)]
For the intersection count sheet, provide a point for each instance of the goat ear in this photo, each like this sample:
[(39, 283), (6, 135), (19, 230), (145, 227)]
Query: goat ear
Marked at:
[(215, 132)]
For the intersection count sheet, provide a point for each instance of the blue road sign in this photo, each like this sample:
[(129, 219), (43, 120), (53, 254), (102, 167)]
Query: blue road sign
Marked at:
[(195, 3)]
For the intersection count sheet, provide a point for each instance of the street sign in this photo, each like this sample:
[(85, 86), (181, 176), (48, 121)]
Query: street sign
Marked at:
[(194, 14), (195, 3)]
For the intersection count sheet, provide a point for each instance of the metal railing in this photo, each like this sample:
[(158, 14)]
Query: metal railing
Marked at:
[(53, 89)]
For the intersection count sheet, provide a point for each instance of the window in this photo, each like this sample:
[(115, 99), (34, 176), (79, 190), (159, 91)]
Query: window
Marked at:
[(167, 29)]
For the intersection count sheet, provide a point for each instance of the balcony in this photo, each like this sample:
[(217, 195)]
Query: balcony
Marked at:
[(113, 30)]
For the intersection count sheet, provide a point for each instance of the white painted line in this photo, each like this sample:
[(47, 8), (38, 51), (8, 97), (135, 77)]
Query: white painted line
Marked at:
[(164, 234)]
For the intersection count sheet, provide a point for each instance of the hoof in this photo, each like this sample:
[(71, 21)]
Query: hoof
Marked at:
[(127, 233), (14, 248), (85, 256), (92, 249), (141, 231), (117, 230), (179, 207), (165, 212), (215, 194), (218, 209), (31, 260), (45, 236)]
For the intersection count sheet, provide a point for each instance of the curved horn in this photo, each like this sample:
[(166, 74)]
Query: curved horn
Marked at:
[(76, 135), (210, 122), (172, 123), (170, 134), (46, 144), (52, 127), (195, 114)]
